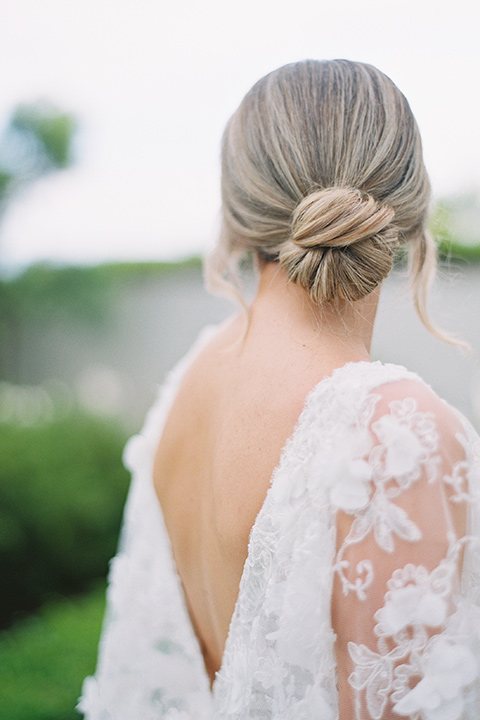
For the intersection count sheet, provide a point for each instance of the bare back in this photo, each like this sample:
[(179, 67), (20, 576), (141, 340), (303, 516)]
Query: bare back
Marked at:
[(235, 410), (220, 445)]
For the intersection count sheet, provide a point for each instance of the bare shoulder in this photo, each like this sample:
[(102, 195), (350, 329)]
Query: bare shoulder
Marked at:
[(259, 368)]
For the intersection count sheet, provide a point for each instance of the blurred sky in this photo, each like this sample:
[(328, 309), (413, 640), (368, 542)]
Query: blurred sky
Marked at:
[(152, 83)]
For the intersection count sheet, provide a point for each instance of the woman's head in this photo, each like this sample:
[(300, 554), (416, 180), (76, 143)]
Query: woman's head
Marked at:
[(322, 171)]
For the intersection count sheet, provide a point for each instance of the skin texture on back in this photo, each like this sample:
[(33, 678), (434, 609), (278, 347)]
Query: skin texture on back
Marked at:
[(238, 405)]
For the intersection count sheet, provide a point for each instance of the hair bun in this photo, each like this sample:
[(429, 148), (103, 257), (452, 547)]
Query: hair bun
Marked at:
[(337, 217), (342, 244)]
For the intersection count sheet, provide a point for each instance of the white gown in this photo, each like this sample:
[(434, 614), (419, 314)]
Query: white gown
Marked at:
[(375, 445)]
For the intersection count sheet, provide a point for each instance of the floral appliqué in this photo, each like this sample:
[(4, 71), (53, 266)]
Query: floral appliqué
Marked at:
[(422, 664)]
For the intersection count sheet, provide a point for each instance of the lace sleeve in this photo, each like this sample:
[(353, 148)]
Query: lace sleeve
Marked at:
[(406, 622)]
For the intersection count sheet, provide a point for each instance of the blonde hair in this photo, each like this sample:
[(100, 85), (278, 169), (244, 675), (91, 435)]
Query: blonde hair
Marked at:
[(322, 171)]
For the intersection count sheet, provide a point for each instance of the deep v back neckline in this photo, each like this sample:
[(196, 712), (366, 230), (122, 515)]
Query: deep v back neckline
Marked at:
[(280, 656), (182, 599)]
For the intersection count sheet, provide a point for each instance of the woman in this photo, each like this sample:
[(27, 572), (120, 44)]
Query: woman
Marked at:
[(301, 536)]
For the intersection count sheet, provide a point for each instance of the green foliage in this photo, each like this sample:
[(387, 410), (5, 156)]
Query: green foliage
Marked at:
[(44, 659), (48, 129), (84, 293), (44, 291), (37, 140), (81, 294), (5, 180), (455, 226), (137, 271), (456, 251), (45, 294), (62, 490)]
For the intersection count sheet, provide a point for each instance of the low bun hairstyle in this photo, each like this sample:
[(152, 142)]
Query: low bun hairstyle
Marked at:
[(341, 244), (322, 171)]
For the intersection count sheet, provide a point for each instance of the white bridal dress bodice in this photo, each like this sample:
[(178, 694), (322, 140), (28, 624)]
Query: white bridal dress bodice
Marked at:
[(375, 445)]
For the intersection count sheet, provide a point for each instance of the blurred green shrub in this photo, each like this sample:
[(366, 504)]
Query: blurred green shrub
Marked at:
[(62, 489), (455, 224), (44, 659)]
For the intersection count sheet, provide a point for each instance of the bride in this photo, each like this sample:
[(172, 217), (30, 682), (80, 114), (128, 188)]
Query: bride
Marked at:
[(301, 535)]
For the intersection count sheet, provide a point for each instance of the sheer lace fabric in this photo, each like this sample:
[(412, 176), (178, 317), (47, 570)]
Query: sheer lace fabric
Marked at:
[(362, 581)]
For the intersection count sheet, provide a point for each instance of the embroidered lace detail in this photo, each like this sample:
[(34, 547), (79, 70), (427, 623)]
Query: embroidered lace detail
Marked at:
[(422, 658), (360, 595)]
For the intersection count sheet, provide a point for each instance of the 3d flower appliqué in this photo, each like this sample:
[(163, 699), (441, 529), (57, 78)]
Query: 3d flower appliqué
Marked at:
[(448, 667), (407, 440), (410, 606)]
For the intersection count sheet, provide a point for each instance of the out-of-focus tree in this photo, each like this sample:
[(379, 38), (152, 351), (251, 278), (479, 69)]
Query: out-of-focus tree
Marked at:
[(37, 140)]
